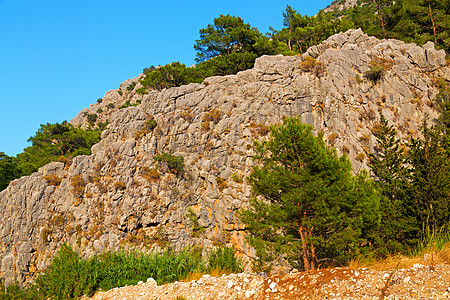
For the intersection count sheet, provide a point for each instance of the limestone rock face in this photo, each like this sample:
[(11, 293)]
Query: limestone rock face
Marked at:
[(119, 196)]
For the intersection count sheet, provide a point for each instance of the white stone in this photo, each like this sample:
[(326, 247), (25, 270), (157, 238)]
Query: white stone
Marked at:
[(250, 293), (406, 279), (152, 282), (273, 286)]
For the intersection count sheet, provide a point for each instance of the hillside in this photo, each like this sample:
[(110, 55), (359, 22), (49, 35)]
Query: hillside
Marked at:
[(119, 196)]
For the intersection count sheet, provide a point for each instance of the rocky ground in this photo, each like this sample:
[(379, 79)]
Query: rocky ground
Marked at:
[(417, 282)]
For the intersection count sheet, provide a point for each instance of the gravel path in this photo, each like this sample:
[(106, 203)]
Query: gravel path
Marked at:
[(418, 282)]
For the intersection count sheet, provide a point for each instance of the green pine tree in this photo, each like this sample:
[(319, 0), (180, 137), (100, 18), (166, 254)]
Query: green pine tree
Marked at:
[(309, 207)]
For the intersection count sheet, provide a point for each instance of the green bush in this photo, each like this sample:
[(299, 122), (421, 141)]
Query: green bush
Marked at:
[(375, 73), (131, 86), (99, 111), (141, 91), (110, 105), (99, 100), (92, 118), (127, 104), (225, 259), (69, 276), (175, 163)]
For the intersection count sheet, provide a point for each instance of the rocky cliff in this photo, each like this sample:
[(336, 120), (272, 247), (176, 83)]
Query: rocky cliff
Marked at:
[(119, 196)]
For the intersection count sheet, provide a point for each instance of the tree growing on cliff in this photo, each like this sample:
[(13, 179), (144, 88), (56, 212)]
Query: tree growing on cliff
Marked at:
[(308, 206), (229, 34)]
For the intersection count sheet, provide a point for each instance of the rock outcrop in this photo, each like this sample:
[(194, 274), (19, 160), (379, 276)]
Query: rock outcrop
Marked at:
[(119, 196)]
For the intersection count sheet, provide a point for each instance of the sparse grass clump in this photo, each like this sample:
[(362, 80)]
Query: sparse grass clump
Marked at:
[(313, 66), (53, 180)]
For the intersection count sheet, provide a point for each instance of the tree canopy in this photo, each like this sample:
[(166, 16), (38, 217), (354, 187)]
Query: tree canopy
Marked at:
[(49, 143), (309, 206), (228, 34)]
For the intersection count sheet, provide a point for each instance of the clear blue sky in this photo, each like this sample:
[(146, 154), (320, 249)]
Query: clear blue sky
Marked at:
[(57, 57)]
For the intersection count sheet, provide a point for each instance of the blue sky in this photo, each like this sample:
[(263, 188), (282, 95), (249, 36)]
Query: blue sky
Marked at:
[(57, 57)]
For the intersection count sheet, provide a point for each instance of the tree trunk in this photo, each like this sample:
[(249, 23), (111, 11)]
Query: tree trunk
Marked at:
[(432, 22), (305, 251)]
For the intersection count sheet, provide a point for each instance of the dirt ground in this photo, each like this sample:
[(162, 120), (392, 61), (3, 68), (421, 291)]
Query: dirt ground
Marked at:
[(417, 282)]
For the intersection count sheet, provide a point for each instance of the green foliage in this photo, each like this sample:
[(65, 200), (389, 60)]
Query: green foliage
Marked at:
[(8, 170), (69, 276), (225, 64), (99, 100), (174, 163), (196, 228), (229, 34), (150, 124), (128, 104), (170, 75), (312, 209), (141, 91), (430, 176), (416, 186), (225, 259), (110, 105), (99, 111), (131, 86), (375, 73), (92, 118), (398, 227), (49, 143)]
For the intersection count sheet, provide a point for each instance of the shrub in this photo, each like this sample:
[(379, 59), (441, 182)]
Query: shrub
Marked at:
[(127, 104), (119, 185), (150, 175), (120, 92), (131, 86), (92, 118), (221, 183), (53, 180), (99, 100), (259, 129), (141, 91), (237, 178), (175, 164), (78, 185), (110, 105), (375, 73), (150, 124), (313, 66), (196, 228), (225, 259)]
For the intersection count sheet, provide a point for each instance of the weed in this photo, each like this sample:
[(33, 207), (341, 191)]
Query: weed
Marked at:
[(196, 228), (78, 185), (238, 178), (131, 86), (151, 175), (53, 180), (360, 156), (141, 91), (119, 185), (313, 66), (259, 129), (174, 163), (221, 183)]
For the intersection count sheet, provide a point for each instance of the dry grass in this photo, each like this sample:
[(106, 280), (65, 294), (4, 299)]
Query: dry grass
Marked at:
[(436, 257)]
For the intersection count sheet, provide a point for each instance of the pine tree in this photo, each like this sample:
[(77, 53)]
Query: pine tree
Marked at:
[(388, 165), (309, 206)]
